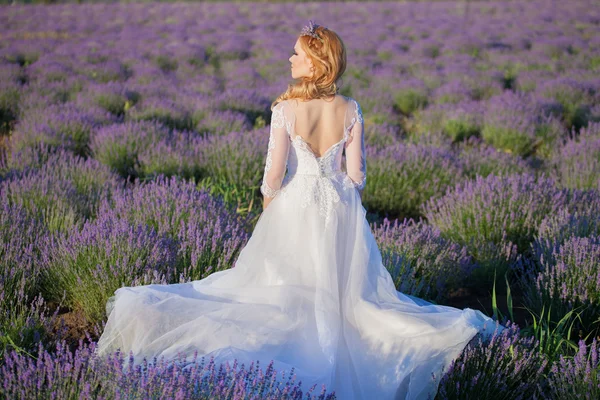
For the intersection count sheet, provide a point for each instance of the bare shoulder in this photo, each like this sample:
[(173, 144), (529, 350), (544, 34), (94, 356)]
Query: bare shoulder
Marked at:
[(342, 99)]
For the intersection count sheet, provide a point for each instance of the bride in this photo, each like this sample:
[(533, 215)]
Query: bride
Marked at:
[(309, 289)]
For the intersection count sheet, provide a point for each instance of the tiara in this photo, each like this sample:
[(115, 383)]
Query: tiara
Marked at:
[(309, 30)]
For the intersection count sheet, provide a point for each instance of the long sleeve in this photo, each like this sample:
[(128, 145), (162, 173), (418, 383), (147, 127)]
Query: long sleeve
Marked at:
[(356, 162), (277, 153)]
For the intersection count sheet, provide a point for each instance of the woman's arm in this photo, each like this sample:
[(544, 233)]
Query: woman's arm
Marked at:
[(277, 154)]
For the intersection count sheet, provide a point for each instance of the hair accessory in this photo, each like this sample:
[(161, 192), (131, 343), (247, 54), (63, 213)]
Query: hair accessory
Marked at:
[(309, 30)]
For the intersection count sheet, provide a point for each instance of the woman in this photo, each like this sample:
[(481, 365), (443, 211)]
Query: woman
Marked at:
[(309, 289)]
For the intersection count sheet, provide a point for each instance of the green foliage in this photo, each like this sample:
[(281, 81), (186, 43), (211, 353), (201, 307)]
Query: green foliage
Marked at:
[(166, 63), (460, 129), (511, 140), (246, 201), (402, 177), (9, 108), (554, 337), (24, 324), (174, 119), (407, 101)]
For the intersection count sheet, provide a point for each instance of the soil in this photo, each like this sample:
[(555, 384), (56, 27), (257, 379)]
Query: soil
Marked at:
[(75, 326), (482, 301)]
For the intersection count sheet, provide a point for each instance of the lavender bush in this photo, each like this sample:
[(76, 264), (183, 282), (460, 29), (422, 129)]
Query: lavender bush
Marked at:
[(24, 317), (238, 157), (19, 252), (506, 366), (113, 97), (403, 176), (88, 265), (495, 217), (482, 210), (62, 373), (208, 235), (576, 164), (567, 280), (53, 199), (248, 102), (421, 261), (459, 121), (63, 190), (580, 218), (39, 93), (574, 98), (478, 158), (61, 125), (165, 111), (411, 97), (381, 135), (451, 92), (512, 122), (223, 122), (119, 145), (180, 153), (576, 376)]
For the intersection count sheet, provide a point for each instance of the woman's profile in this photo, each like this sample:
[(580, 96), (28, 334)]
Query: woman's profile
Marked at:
[(309, 290)]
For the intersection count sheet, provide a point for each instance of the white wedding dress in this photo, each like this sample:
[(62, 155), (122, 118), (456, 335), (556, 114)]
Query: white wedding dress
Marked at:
[(308, 290)]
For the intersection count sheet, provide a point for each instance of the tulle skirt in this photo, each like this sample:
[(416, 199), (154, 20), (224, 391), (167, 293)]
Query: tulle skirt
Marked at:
[(307, 294)]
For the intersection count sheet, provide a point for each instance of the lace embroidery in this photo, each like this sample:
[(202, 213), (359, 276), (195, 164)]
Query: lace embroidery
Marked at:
[(319, 187), (316, 189), (358, 118), (348, 182), (277, 122), (359, 115)]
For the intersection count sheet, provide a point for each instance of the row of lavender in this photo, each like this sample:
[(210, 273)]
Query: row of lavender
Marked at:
[(403, 172), (480, 118), (508, 366)]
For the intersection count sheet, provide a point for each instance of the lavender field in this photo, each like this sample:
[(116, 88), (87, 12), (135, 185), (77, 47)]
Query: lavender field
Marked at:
[(133, 139)]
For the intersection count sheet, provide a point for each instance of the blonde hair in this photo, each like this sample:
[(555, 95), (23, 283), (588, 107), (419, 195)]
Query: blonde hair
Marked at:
[(329, 61)]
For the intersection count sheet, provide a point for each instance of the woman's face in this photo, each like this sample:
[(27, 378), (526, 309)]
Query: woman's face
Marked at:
[(301, 64)]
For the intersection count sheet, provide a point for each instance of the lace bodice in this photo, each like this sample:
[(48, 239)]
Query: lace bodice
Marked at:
[(288, 151)]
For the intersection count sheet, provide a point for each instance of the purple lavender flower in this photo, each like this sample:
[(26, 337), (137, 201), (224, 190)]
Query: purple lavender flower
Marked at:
[(506, 366), (62, 371), (208, 234), (478, 158), (579, 218), (567, 280), (459, 121), (576, 164), (404, 176), (223, 122), (90, 263), (166, 111), (119, 145), (576, 375), (510, 123), (64, 126), (494, 208), (421, 261)]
